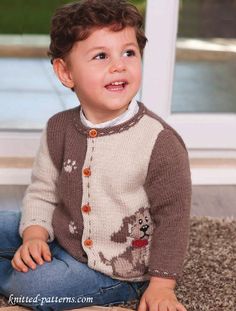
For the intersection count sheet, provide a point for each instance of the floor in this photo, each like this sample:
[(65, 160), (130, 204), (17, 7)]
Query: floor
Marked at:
[(95, 308), (212, 201)]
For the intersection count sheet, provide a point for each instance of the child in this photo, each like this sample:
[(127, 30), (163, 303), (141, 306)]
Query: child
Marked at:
[(106, 215)]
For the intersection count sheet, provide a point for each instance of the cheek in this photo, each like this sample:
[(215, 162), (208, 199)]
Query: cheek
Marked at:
[(137, 73), (93, 78), (87, 82), (139, 76)]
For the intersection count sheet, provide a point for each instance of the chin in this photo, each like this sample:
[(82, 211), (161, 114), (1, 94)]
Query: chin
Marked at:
[(119, 103)]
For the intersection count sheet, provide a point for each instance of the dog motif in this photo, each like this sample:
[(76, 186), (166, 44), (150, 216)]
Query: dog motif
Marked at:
[(137, 231)]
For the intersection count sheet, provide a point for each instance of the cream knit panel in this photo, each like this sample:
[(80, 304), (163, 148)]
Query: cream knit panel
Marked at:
[(114, 190), (40, 197)]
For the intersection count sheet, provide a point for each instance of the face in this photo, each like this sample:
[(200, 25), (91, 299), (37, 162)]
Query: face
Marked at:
[(105, 72)]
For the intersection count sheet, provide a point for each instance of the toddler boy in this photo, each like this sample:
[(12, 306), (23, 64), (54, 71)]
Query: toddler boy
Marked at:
[(111, 181)]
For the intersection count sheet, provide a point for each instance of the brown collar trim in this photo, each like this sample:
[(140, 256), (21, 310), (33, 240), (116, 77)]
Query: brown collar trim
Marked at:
[(108, 130)]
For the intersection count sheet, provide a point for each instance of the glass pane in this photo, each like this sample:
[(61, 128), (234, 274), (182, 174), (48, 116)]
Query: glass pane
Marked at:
[(205, 71)]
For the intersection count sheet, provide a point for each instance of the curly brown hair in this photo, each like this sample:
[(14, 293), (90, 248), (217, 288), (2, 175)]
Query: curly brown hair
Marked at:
[(75, 21)]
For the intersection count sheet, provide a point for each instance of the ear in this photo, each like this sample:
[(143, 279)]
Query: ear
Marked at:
[(63, 73), (125, 230), (121, 235)]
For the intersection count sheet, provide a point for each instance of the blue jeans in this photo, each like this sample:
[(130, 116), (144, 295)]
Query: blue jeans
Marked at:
[(63, 283)]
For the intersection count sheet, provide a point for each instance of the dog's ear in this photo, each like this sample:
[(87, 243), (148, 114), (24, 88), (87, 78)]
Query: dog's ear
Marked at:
[(123, 233)]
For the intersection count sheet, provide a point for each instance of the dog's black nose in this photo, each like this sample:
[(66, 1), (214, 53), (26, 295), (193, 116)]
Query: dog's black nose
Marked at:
[(144, 228)]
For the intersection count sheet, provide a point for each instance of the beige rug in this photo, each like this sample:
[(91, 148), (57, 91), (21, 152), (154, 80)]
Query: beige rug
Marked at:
[(82, 309)]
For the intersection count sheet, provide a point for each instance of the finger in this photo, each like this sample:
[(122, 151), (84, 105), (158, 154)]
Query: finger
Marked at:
[(46, 252), (180, 307), (142, 305), (18, 262), (35, 252), (162, 307), (154, 307), (171, 308), (14, 266), (25, 255)]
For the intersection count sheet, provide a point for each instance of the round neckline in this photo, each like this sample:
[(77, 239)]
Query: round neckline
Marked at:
[(109, 130)]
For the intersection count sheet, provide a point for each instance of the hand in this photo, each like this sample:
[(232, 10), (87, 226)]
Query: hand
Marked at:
[(31, 253), (159, 299)]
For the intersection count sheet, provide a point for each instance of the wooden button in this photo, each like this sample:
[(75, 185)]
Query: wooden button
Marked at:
[(88, 243), (86, 208), (87, 172), (93, 133)]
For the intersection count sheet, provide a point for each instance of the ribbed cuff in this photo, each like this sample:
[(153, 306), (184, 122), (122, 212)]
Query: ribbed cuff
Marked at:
[(37, 216), (163, 274)]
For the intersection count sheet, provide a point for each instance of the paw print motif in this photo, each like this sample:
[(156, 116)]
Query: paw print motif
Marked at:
[(69, 166), (73, 228)]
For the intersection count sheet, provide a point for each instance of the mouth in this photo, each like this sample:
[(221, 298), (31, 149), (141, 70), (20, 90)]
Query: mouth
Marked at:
[(116, 86), (144, 235)]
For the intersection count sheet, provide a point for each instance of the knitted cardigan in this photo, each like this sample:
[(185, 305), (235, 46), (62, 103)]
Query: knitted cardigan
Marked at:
[(122, 195)]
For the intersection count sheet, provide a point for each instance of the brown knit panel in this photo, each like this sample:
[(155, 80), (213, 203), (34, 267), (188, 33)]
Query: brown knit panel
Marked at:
[(56, 129), (168, 186), (67, 149)]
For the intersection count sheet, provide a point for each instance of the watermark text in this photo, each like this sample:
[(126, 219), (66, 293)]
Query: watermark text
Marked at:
[(41, 300)]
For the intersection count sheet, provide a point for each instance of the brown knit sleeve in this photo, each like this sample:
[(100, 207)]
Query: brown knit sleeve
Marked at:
[(168, 186)]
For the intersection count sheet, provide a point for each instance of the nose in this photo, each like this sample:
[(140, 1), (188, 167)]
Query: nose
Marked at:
[(117, 65), (144, 228)]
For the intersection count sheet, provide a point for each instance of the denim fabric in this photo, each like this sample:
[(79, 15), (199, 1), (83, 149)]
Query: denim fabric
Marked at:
[(64, 283)]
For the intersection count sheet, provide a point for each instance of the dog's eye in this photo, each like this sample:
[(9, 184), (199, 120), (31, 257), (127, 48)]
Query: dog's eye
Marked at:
[(146, 218), (140, 221)]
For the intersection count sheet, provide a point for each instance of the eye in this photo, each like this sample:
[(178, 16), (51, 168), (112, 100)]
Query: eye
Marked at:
[(140, 221), (100, 56), (129, 53), (146, 218)]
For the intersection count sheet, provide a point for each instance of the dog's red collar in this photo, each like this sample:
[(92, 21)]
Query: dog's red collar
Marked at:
[(139, 243)]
